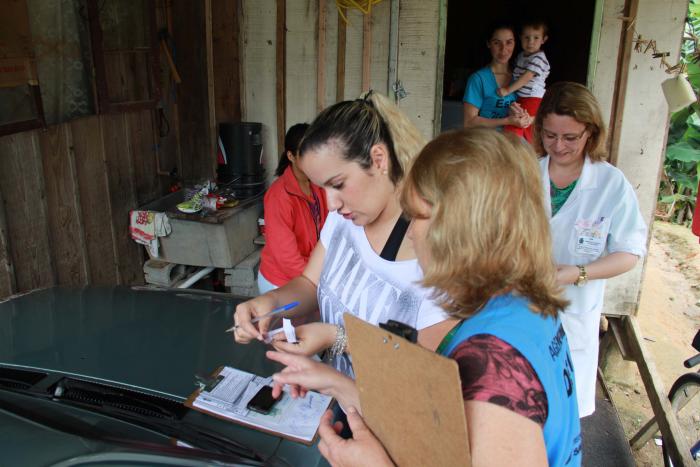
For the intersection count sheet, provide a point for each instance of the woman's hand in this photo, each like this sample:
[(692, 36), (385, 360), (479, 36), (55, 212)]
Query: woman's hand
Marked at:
[(303, 374), (518, 116), (248, 310), (362, 449), (312, 338), (567, 274)]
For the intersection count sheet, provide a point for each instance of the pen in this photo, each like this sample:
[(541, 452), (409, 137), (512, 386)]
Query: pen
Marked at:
[(276, 311)]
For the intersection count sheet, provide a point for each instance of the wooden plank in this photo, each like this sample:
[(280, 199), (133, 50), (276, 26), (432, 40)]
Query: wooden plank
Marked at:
[(674, 439), (393, 76), (621, 79), (211, 128), (440, 69), (330, 59), (21, 178), (226, 60), (321, 57), (340, 57), (366, 49), (141, 143), (94, 200), (64, 214), (301, 61), (353, 54), (615, 325), (381, 22), (8, 280), (190, 39), (418, 49), (122, 196), (258, 64), (280, 69)]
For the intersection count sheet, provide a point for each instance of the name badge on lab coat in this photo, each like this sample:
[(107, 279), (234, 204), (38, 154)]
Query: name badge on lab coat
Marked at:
[(590, 236)]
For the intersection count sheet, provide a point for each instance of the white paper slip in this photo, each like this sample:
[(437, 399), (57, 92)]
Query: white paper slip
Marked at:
[(297, 419), (287, 328)]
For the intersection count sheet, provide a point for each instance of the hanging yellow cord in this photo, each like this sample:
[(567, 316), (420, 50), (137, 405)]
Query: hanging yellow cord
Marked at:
[(365, 6)]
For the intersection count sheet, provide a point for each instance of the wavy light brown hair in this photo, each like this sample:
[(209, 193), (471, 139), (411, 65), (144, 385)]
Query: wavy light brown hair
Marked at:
[(489, 232), (576, 101)]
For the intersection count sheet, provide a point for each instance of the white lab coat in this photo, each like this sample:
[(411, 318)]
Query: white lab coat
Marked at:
[(601, 216)]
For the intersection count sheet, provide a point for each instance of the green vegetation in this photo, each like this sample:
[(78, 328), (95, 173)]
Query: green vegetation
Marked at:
[(679, 182)]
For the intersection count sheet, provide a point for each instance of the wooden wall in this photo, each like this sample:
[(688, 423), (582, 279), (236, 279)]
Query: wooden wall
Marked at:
[(66, 193), (416, 49)]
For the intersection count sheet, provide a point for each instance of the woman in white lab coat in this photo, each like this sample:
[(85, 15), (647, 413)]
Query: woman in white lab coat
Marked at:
[(597, 229)]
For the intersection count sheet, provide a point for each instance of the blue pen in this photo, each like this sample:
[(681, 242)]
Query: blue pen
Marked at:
[(276, 311)]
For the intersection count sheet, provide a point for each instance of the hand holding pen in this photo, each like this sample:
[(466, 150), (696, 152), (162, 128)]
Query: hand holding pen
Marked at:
[(245, 318)]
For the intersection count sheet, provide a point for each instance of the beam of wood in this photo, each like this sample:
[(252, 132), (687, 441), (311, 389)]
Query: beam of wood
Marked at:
[(226, 61), (8, 280), (366, 49), (623, 65), (122, 195), (644, 434), (92, 178), (281, 71), (213, 130), (64, 214), (321, 62), (22, 181), (674, 439), (440, 72), (340, 69), (615, 325), (192, 38), (393, 48)]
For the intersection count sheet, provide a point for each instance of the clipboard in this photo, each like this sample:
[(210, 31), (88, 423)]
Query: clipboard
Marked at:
[(411, 398), (215, 376)]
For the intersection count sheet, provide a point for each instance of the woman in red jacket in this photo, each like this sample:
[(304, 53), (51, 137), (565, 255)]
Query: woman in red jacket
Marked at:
[(295, 210)]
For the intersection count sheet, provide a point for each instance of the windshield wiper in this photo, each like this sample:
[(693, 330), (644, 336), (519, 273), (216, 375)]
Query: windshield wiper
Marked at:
[(155, 413), (100, 395)]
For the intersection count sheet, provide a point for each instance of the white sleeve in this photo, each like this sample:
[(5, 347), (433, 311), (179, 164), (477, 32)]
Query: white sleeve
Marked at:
[(329, 227), (429, 313), (628, 231)]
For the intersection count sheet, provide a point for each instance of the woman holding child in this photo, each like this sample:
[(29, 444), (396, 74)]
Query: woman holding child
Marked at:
[(597, 229), (497, 283), (483, 106)]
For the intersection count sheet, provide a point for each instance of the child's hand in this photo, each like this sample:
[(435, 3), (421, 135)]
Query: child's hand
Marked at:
[(503, 92)]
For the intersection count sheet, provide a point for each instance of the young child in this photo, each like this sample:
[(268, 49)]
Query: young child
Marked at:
[(530, 72)]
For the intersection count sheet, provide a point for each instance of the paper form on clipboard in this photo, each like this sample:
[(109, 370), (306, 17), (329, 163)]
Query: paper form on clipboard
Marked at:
[(295, 419)]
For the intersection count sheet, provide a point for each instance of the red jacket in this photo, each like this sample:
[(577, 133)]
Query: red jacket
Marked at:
[(291, 232)]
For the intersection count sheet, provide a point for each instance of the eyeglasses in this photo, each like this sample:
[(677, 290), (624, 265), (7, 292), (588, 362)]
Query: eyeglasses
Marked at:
[(568, 139)]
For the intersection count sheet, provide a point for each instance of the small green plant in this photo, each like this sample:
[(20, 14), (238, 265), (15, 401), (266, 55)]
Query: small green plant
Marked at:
[(679, 181)]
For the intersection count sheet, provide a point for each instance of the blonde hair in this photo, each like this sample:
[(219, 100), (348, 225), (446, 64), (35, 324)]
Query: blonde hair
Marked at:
[(355, 126), (577, 102), (489, 232)]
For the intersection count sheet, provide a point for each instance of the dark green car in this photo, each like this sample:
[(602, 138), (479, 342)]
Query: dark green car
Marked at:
[(98, 376)]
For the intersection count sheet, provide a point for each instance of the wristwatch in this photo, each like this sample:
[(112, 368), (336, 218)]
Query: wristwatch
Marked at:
[(582, 276)]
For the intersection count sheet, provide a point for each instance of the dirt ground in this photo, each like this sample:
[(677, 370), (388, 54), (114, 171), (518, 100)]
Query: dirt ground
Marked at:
[(669, 316)]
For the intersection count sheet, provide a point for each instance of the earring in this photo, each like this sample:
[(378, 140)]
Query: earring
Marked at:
[(384, 172)]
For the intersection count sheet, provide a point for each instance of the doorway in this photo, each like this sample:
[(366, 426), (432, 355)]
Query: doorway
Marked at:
[(570, 27)]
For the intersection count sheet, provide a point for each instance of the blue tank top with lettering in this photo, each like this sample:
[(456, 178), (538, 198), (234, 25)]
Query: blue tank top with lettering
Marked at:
[(542, 341)]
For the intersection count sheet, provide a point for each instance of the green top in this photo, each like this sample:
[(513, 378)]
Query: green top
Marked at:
[(559, 195)]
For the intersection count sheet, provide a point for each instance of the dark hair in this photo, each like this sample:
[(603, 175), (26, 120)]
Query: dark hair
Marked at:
[(497, 26), (535, 23), (291, 144), (356, 126)]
